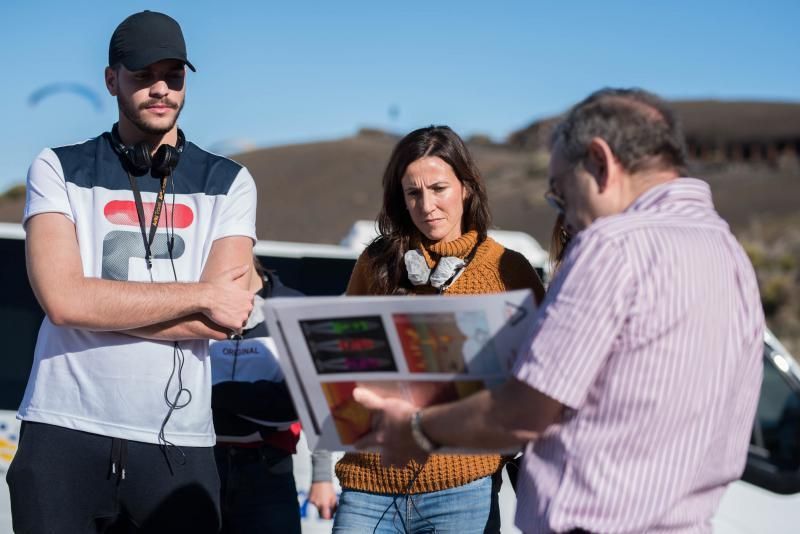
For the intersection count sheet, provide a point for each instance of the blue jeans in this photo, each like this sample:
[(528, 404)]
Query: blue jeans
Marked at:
[(469, 509)]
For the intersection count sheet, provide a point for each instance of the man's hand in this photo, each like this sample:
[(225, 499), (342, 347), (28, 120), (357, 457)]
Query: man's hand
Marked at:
[(224, 300), (391, 429), (499, 419), (323, 496), (229, 303)]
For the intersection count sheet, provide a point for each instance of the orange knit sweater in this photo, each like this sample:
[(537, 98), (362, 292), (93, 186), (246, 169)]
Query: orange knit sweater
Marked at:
[(492, 269)]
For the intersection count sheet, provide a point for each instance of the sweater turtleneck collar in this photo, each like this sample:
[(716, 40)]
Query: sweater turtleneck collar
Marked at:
[(459, 247)]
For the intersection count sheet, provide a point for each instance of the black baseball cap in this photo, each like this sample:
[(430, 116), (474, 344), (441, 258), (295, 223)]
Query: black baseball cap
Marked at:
[(145, 38)]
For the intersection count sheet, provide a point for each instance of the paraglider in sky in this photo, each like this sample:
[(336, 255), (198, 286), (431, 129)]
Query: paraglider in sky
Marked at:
[(77, 89)]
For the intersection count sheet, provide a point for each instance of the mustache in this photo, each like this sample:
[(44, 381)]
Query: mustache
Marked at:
[(162, 102)]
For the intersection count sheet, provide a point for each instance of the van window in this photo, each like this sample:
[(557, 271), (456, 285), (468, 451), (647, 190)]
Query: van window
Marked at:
[(773, 461), (312, 276), (777, 427)]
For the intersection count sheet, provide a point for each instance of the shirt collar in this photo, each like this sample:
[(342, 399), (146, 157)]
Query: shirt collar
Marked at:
[(682, 190)]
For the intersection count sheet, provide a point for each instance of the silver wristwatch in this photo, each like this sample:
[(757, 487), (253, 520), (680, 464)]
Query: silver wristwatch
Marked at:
[(420, 438)]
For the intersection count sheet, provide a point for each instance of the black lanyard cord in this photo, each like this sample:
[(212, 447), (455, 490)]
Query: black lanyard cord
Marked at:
[(458, 272), (178, 358), (137, 196), (171, 229)]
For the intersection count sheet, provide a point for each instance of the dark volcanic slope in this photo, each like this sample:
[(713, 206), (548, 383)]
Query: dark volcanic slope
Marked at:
[(712, 120), (704, 121), (315, 192)]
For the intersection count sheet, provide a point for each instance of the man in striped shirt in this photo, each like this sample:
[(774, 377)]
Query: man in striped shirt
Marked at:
[(637, 392)]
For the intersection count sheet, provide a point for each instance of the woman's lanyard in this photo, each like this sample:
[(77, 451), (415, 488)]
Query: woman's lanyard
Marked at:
[(148, 239), (458, 272)]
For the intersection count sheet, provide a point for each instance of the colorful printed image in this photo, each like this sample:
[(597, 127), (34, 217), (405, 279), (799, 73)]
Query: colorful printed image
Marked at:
[(352, 420), (443, 342), (348, 345)]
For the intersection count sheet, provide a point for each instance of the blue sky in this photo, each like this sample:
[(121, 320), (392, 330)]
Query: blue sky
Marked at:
[(273, 73)]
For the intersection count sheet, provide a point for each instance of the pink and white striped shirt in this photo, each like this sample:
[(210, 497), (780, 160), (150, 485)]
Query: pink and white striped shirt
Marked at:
[(651, 335)]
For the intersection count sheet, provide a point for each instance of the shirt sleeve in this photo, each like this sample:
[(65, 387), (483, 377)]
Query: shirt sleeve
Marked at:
[(238, 216), (579, 322), (321, 466), (46, 188)]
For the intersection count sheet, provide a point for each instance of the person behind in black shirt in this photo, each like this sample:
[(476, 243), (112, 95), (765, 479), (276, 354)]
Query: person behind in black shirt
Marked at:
[(257, 427)]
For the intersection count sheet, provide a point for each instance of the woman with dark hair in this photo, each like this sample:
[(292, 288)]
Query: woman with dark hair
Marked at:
[(433, 240)]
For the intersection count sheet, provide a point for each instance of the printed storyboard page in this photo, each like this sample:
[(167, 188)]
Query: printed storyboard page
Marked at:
[(427, 350)]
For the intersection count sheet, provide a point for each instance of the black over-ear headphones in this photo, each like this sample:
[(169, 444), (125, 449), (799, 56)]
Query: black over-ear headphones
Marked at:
[(138, 160)]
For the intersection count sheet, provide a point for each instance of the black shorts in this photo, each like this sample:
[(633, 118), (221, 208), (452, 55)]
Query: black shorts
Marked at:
[(72, 482)]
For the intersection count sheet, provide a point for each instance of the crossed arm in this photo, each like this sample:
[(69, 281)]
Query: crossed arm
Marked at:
[(219, 303)]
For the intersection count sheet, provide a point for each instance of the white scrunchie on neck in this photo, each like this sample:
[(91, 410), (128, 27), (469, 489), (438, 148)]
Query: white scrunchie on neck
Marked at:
[(420, 274)]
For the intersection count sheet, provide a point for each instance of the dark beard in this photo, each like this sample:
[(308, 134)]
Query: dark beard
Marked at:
[(131, 114)]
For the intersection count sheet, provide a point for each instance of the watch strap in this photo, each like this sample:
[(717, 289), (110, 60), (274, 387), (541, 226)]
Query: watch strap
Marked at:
[(419, 435)]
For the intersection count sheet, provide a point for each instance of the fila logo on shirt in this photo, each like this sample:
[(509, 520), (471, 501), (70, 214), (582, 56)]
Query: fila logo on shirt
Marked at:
[(121, 245)]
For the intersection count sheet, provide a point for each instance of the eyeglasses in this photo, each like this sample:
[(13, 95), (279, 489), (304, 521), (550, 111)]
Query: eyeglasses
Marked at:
[(555, 200)]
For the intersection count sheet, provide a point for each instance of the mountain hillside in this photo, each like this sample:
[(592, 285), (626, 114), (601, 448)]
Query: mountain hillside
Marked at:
[(748, 152)]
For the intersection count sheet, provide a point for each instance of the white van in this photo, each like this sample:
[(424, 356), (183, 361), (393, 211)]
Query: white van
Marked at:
[(765, 500)]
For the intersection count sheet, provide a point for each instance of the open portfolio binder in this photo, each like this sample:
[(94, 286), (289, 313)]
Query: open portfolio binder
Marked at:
[(425, 349)]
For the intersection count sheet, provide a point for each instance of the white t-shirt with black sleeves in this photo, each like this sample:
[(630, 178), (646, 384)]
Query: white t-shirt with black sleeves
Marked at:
[(110, 383)]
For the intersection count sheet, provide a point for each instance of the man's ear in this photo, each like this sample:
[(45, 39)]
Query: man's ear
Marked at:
[(599, 159), (111, 81)]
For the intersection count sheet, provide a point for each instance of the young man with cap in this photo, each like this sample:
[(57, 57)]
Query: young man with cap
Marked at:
[(139, 248)]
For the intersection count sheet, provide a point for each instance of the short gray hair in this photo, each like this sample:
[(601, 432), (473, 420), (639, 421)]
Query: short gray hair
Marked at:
[(639, 127)]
